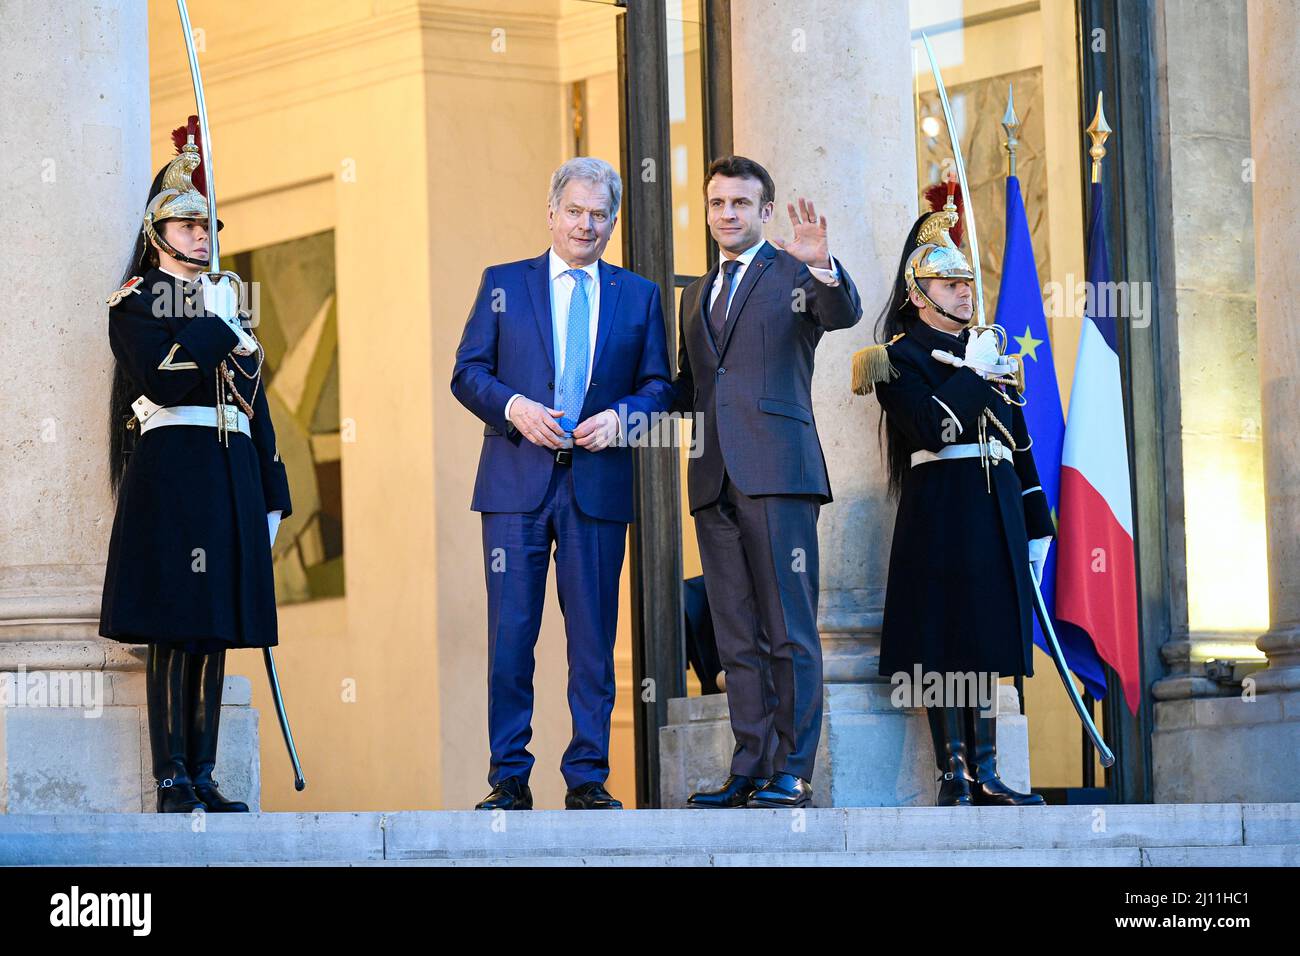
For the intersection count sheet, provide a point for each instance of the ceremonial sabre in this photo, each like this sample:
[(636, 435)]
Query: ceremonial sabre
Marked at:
[(223, 289), (214, 259), (299, 782), (215, 273), (1007, 370), (1045, 620), (961, 178)]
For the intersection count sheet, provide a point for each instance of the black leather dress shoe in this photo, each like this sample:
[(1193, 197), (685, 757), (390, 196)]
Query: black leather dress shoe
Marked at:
[(783, 791), (734, 793), (511, 793), (590, 796)]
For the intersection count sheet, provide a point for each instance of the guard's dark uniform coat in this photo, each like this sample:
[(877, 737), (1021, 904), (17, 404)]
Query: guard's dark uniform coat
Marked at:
[(959, 595), (184, 490)]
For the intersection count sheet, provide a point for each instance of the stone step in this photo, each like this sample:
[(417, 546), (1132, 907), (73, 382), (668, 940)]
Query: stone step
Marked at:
[(1229, 856), (1165, 834)]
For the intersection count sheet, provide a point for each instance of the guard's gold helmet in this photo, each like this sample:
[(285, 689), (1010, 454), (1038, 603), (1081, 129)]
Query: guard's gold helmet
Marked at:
[(175, 193), (936, 256), (178, 198)]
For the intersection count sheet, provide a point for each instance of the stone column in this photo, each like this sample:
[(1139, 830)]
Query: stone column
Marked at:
[(822, 97), (1208, 115), (1242, 748), (1275, 137), (74, 145)]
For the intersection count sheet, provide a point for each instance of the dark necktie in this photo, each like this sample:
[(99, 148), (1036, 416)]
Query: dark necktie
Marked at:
[(718, 314)]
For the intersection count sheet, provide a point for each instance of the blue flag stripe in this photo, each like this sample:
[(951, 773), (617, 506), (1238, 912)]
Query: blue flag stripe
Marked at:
[(1099, 271)]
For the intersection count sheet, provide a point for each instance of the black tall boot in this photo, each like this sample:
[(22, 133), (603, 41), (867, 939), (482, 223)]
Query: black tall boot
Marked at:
[(205, 676), (950, 755), (989, 790), (166, 692)]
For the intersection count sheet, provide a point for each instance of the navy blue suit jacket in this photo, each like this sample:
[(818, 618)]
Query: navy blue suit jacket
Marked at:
[(507, 347)]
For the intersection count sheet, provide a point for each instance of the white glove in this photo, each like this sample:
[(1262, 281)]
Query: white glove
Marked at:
[(273, 523), (982, 353), (220, 298), (1038, 556)]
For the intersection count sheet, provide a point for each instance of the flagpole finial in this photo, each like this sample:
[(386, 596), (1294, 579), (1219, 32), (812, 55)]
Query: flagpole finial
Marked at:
[(1011, 123), (1098, 130)]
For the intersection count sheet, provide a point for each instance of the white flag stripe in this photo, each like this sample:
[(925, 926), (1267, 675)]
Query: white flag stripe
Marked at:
[(1096, 443)]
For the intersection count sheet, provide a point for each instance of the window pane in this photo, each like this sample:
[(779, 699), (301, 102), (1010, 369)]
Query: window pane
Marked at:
[(297, 324), (686, 139)]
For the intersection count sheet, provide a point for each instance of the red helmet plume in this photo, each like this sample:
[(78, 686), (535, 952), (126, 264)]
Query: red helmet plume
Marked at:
[(179, 137), (937, 194)]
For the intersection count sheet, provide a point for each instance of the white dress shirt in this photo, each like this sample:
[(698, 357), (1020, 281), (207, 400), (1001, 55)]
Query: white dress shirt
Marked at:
[(562, 286), (561, 289)]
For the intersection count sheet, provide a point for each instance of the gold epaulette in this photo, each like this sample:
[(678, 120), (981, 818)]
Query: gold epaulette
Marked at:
[(872, 365), (130, 287)]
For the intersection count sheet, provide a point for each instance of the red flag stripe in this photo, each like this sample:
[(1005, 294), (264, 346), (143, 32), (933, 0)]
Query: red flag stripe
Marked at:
[(1096, 579)]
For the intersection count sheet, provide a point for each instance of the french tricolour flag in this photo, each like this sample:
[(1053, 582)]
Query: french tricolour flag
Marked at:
[(1096, 578)]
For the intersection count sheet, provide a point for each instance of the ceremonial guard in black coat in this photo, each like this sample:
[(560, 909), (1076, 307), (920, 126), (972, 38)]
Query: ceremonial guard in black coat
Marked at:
[(200, 489), (971, 513)]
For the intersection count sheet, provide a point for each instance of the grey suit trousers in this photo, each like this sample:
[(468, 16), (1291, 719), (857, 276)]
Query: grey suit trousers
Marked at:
[(760, 570)]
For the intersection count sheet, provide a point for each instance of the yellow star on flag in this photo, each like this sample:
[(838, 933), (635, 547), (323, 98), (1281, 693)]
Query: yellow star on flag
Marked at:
[(1028, 344)]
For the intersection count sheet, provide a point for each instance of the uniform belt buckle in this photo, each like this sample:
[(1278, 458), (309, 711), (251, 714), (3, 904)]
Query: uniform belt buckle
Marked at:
[(564, 456), (995, 449), (232, 418)]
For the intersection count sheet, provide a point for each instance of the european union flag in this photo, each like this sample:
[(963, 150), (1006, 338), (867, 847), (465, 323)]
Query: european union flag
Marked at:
[(1020, 312)]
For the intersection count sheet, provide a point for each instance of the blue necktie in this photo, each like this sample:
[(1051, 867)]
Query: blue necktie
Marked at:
[(573, 381), (718, 314)]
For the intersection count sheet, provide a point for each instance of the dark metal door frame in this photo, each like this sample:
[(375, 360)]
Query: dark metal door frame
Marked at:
[(1137, 180), (655, 559), (715, 77)]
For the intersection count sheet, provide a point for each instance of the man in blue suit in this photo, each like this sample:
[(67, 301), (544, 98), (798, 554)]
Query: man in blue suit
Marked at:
[(557, 353)]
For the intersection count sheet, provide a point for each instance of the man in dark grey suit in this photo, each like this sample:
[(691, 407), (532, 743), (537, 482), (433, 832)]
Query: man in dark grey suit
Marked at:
[(748, 331)]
